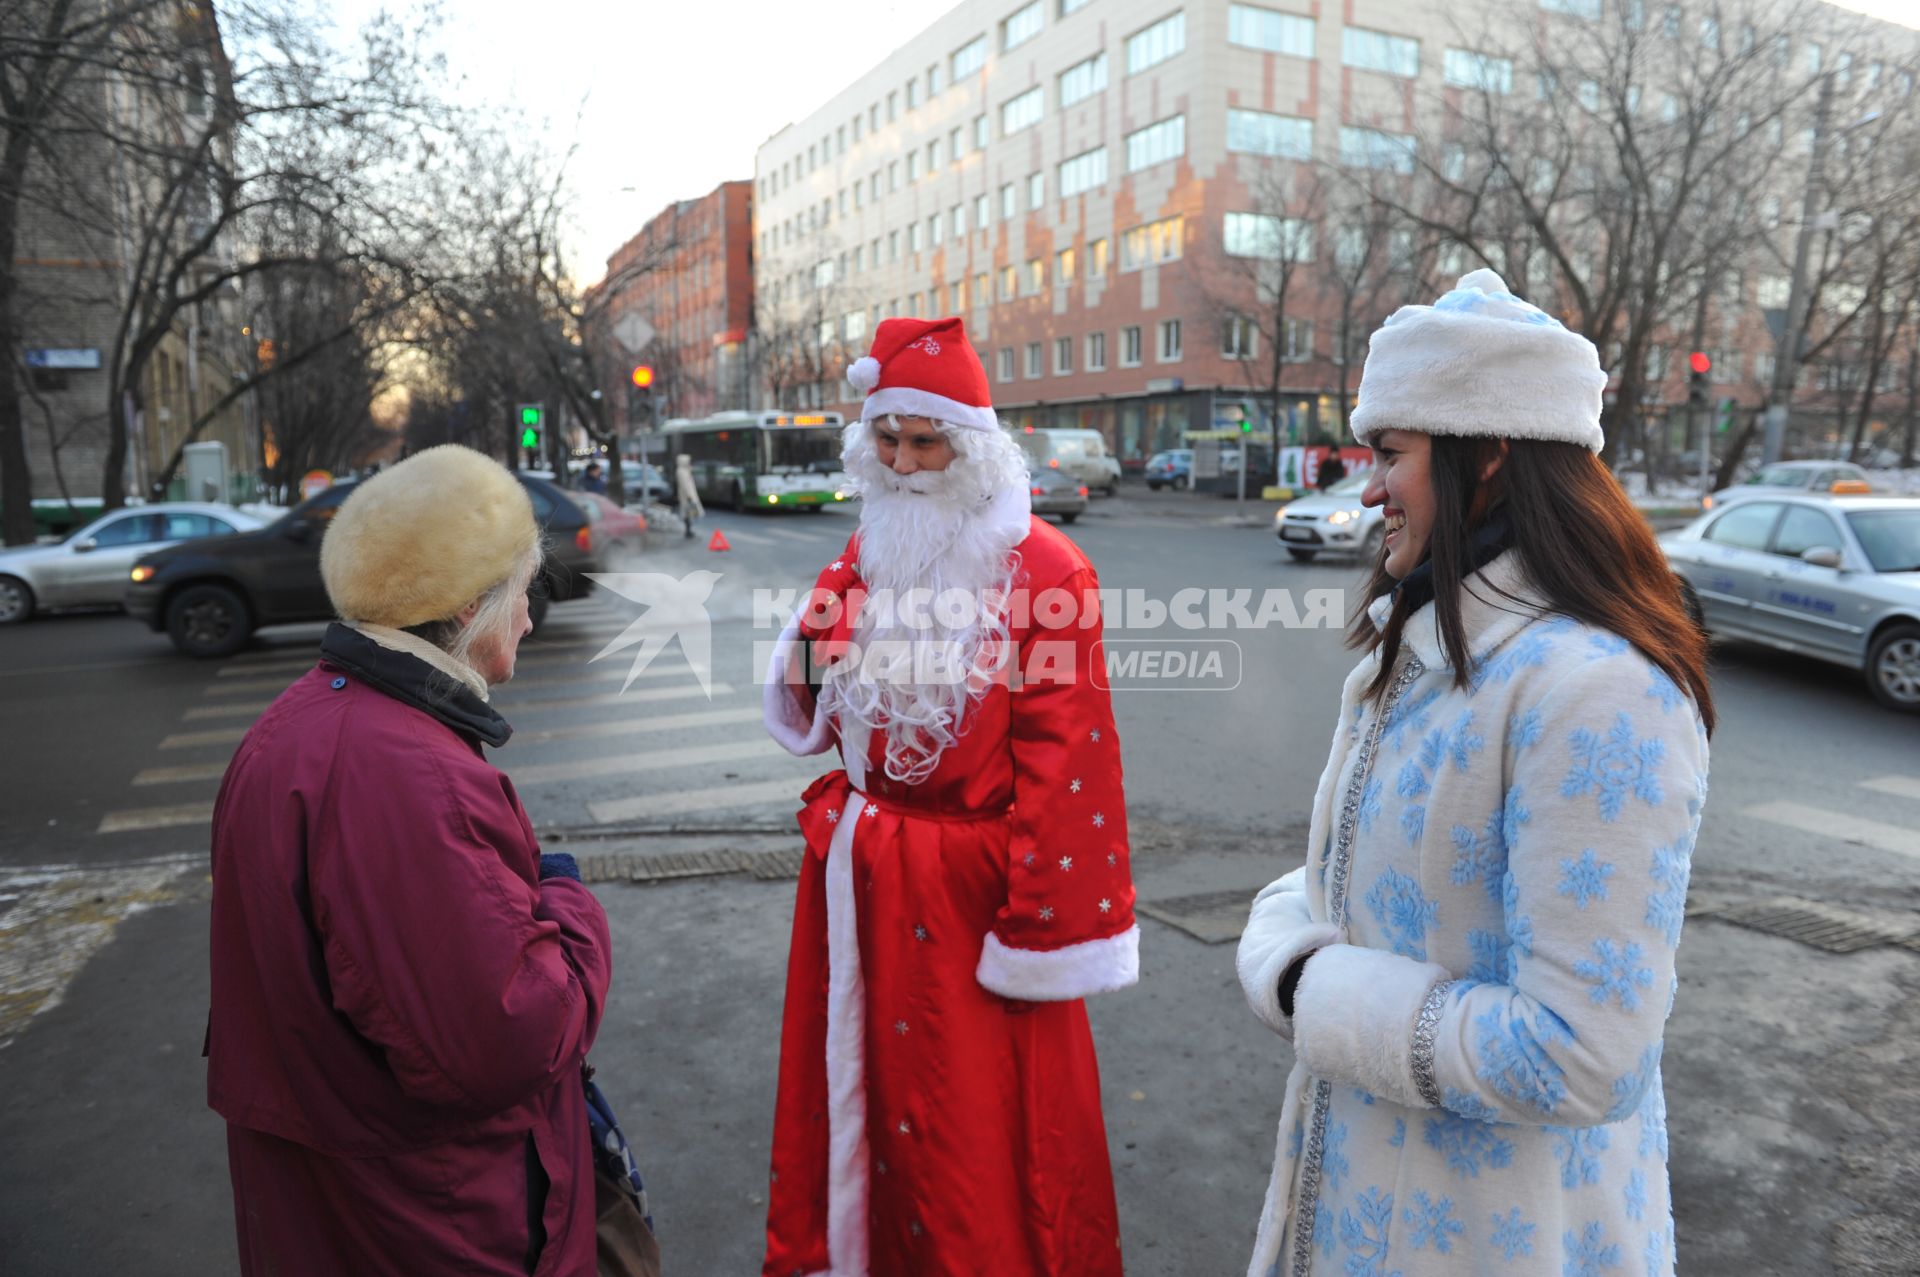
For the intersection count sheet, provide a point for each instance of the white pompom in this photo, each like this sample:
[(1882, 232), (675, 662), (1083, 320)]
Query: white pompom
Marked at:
[(1485, 280), (863, 374)]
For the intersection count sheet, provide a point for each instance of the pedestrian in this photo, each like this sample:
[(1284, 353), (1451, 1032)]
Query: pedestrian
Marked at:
[(686, 491), (592, 479), (404, 987), (1332, 471), (967, 880), (1476, 963)]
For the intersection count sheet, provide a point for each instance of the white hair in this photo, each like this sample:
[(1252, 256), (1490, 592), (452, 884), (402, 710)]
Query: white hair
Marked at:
[(493, 619), (918, 674)]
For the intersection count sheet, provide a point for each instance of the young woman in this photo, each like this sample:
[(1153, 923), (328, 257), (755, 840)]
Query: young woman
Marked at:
[(1475, 964)]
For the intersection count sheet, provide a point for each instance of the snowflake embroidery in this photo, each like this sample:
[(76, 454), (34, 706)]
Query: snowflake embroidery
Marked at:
[(1046, 913), (905, 1128), (1614, 765), (1512, 1235), (1636, 1194), (1099, 820), (1365, 1233), (1399, 1137), (1467, 1143), (836, 565), (1524, 730), (871, 811), (1662, 688), (1579, 1149), (919, 933), (1467, 1105), (1413, 781), (1027, 860), (1403, 912), (1113, 858), (1519, 925), (1333, 1156), (1106, 905), (1630, 1089), (1527, 652), (1323, 1227), (1653, 1124), (1294, 1140), (1487, 955), (1463, 742), (1513, 814), (1659, 1247), (1515, 1063), (1432, 1222), (1480, 857), (1585, 879), (1667, 907), (927, 344), (900, 1027), (1616, 974), (1413, 823), (833, 815), (1094, 735), (1066, 862), (1410, 715), (1590, 1253), (1605, 644), (1073, 786), (1369, 802)]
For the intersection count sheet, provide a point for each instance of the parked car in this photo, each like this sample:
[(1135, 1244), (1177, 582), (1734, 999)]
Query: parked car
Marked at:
[(645, 484), (210, 596), (1332, 522), (615, 533), (1836, 578), (89, 568), (1172, 469), (1793, 476), (1056, 494), (1079, 454)]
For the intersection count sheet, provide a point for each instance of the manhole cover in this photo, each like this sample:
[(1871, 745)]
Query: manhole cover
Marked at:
[(1820, 926), (1214, 917)]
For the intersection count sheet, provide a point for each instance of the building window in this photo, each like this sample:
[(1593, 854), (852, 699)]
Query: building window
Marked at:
[(1267, 236), (1097, 259), (893, 175), (1036, 190), (1096, 352), (856, 130), (1465, 69), (893, 106), (1022, 112), (1009, 283), (914, 242), (1272, 32), (913, 304), (1238, 337), (1157, 143), (969, 57), (980, 132), (1284, 137), (1299, 340), (913, 93), (913, 167), (1083, 172), (1008, 206), (933, 155), (1164, 39), (982, 211), (1130, 346), (933, 81), (936, 230), (1376, 149), (1062, 356), (1022, 26), (859, 259), (1036, 275), (1068, 6), (1063, 267), (1033, 359), (1377, 51), (1160, 241), (1169, 351), (956, 145), (1006, 363), (981, 296), (893, 246), (959, 220), (1083, 79)]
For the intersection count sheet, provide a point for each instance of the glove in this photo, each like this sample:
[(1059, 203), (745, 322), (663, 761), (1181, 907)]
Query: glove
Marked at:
[(1279, 932), (558, 864)]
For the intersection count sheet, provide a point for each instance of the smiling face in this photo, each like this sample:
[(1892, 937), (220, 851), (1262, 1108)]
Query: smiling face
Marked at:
[(1402, 485), (908, 445)]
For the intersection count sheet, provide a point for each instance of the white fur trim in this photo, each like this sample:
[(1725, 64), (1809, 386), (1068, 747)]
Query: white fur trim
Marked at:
[(909, 401), (780, 710), (1354, 1014), (1060, 975), (847, 1153), (1278, 1203), (863, 374), (1278, 933)]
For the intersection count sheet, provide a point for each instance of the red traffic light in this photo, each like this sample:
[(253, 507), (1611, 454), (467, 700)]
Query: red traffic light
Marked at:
[(642, 376), (1699, 362)]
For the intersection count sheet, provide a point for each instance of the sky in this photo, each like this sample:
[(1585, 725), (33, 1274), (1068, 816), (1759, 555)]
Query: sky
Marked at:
[(666, 99)]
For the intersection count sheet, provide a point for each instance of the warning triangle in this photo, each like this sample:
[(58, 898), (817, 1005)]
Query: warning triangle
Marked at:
[(718, 541)]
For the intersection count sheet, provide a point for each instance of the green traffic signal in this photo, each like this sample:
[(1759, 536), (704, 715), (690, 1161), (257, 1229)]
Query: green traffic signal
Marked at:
[(529, 415), (1246, 426), (529, 438)]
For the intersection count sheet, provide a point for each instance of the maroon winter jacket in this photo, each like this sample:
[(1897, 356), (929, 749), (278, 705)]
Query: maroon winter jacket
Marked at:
[(401, 1007)]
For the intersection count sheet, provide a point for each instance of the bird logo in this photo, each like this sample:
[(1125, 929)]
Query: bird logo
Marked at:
[(676, 607)]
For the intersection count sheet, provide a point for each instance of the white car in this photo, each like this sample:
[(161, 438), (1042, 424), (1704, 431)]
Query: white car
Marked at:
[(90, 567), (1782, 477), (1332, 522)]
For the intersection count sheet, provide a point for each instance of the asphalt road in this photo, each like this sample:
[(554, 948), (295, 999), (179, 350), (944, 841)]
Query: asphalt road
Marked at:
[(1789, 1068)]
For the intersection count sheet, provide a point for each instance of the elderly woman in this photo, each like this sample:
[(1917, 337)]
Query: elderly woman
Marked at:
[(404, 988)]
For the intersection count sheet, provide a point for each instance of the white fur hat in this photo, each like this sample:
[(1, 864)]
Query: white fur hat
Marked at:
[(1482, 362), (424, 538)]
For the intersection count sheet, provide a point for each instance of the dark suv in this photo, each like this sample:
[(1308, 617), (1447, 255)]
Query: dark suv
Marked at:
[(210, 598)]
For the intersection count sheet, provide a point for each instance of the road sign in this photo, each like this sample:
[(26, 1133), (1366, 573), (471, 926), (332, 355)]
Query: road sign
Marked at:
[(633, 332)]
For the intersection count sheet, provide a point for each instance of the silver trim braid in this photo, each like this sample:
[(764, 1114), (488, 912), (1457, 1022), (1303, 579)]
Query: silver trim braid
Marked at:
[(1424, 1028)]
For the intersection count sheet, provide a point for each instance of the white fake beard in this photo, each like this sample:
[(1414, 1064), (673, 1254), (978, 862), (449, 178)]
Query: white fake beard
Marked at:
[(930, 532)]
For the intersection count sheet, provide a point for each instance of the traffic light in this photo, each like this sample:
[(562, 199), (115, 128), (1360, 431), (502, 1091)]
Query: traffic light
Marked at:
[(643, 376), (1246, 425), (532, 418), (1699, 365)]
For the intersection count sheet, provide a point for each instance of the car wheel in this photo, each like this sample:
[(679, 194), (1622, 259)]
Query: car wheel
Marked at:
[(1180, 483), (16, 600), (1302, 556), (1370, 548), (1113, 487), (1069, 518), (1893, 668), (208, 620), (1153, 487)]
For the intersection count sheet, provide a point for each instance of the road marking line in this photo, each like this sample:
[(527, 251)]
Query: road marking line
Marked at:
[(180, 775), (646, 761), (250, 709), (514, 709), (743, 537), (137, 818), (614, 666), (684, 801), (641, 726), (241, 687), (1833, 824), (267, 667), (1898, 786), (790, 534), (193, 740)]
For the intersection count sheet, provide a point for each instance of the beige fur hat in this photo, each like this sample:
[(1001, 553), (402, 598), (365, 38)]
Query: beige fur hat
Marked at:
[(424, 538)]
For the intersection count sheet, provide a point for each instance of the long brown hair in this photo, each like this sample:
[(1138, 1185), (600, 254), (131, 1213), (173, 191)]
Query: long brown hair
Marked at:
[(1583, 548)]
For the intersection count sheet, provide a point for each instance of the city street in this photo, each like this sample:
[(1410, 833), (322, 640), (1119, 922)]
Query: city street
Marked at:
[(1791, 1086)]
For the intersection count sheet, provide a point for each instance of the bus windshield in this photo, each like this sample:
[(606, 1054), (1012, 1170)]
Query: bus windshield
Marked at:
[(803, 450)]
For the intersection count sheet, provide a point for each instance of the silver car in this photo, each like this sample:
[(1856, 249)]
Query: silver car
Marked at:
[(1792, 476), (1058, 494), (1332, 522), (1832, 577), (90, 567)]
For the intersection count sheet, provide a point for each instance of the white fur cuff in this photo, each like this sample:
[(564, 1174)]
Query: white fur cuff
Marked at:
[(1277, 934), (791, 727), (1060, 975), (1354, 1013)]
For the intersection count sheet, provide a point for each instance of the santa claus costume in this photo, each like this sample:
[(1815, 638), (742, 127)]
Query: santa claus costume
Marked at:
[(967, 881)]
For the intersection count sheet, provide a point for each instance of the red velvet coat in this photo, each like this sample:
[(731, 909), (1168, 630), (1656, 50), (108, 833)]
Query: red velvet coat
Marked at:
[(401, 1008), (939, 1100)]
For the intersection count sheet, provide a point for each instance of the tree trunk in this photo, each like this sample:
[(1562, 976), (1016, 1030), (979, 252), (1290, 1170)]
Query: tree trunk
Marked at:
[(16, 481)]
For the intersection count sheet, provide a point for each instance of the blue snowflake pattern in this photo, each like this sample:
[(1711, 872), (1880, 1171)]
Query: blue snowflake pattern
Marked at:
[(1369, 803), (1615, 765), (1662, 688), (1667, 905), (1630, 1089), (1323, 1229), (1364, 1097), (1410, 715), (1333, 1158), (1579, 1149), (1524, 730), (1432, 1222), (1659, 1247), (1488, 953), (1519, 925), (1529, 651), (1653, 1124), (1413, 823), (1616, 975), (1515, 1063), (1365, 1234), (1480, 857), (1294, 1139), (1467, 1143), (1513, 1235), (1513, 814), (1467, 1105), (1585, 879), (1403, 912), (1463, 742), (1589, 1254), (1636, 1194), (1605, 644), (1399, 1137), (1412, 782)]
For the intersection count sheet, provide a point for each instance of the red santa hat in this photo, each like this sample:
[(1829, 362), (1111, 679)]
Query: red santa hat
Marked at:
[(924, 368)]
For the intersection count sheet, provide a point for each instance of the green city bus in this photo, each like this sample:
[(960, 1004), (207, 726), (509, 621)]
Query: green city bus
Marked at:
[(762, 460)]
